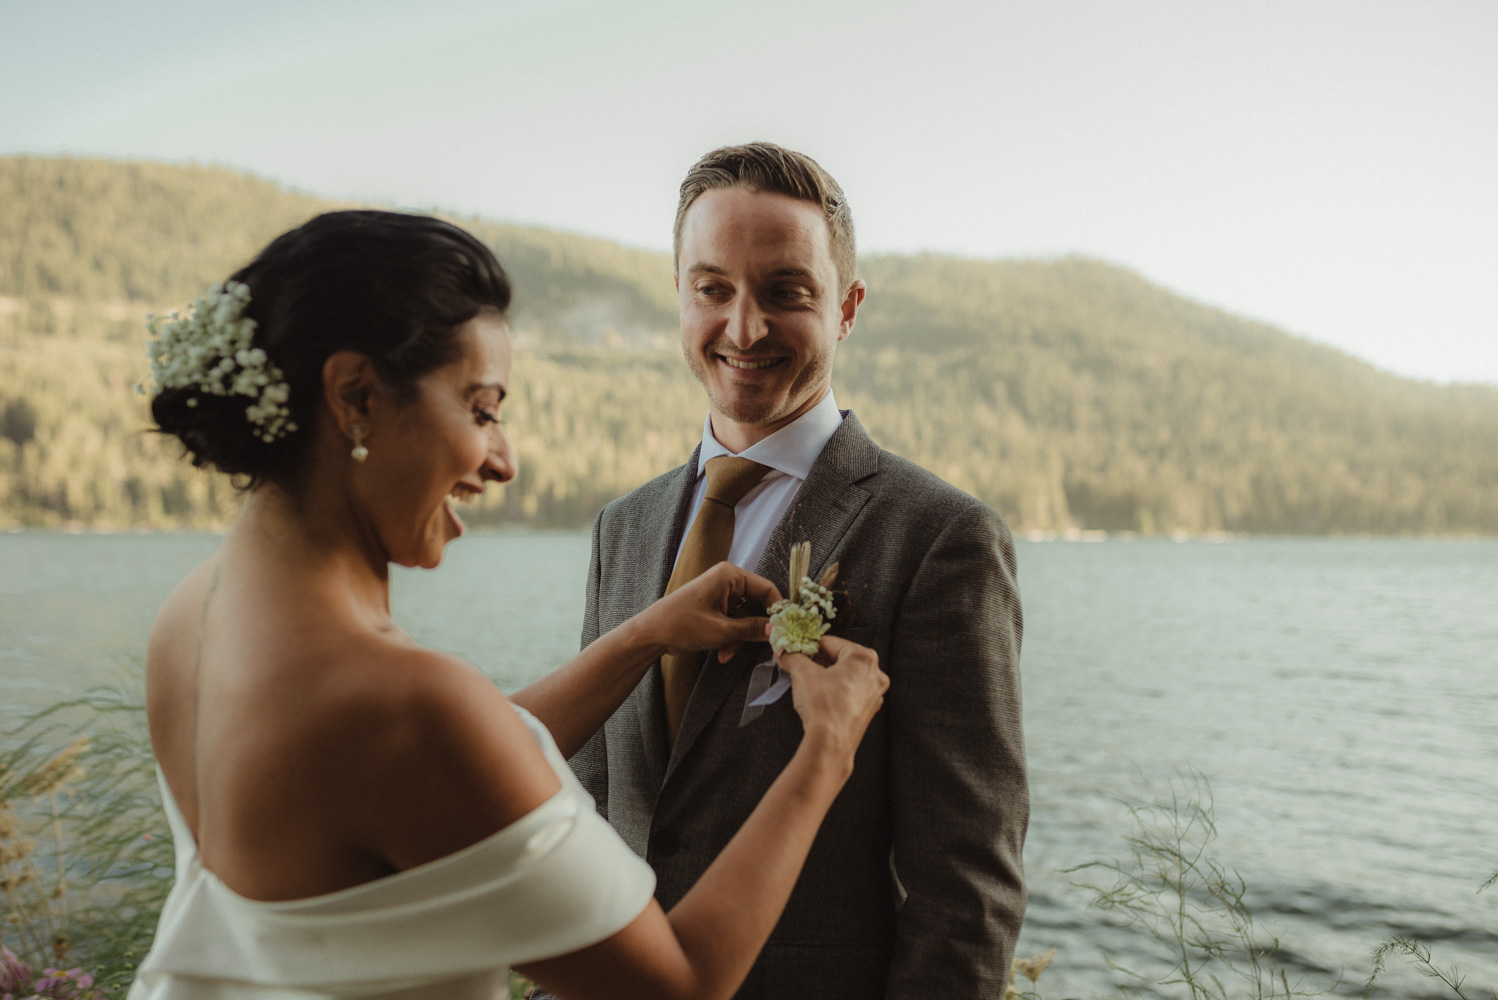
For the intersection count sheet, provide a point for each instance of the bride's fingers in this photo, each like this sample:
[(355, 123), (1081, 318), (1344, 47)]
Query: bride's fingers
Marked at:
[(755, 629), (742, 586), (836, 647), (828, 654), (840, 653), (795, 663), (743, 630), (762, 590)]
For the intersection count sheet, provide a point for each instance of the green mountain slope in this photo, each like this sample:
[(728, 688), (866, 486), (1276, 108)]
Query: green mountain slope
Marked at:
[(1068, 394)]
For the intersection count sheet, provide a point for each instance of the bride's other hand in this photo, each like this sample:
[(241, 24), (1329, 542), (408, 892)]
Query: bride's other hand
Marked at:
[(699, 614), (574, 701), (836, 701)]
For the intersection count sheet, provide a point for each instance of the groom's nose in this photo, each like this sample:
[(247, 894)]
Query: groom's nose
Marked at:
[(747, 322)]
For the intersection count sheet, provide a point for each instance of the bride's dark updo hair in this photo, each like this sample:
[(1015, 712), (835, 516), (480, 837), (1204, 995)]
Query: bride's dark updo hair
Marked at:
[(390, 286)]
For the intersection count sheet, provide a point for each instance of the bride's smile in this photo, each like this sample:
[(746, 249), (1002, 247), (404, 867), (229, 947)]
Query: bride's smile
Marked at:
[(429, 454)]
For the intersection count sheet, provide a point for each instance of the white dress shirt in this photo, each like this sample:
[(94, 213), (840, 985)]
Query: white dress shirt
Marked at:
[(790, 453)]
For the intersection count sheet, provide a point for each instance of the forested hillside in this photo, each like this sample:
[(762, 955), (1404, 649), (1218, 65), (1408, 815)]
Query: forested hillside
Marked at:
[(1066, 393)]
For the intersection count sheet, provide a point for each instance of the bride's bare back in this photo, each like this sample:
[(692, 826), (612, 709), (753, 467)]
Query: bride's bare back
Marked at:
[(311, 748)]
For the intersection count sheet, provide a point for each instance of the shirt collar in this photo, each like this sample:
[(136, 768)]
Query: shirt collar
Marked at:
[(792, 450)]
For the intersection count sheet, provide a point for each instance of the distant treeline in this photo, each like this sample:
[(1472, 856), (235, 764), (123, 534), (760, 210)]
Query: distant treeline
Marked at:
[(1066, 393)]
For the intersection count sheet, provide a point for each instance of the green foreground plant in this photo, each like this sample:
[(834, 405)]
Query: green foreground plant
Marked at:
[(85, 851), (1189, 902), (1419, 955)]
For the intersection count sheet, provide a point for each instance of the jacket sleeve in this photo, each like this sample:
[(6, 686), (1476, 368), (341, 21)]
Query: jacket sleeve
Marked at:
[(591, 763), (959, 793)]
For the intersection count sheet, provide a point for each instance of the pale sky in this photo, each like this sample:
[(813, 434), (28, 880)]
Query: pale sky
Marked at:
[(1329, 167)]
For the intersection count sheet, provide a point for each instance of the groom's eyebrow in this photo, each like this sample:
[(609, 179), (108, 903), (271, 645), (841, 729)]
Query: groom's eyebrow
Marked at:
[(802, 273), (793, 272)]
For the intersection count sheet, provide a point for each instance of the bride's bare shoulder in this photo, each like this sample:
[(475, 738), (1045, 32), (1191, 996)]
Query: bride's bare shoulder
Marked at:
[(173, 655), (179, 614), (446, 756)]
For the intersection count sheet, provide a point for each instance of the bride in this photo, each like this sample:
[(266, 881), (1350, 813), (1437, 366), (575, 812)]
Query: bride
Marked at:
[(356, 816)]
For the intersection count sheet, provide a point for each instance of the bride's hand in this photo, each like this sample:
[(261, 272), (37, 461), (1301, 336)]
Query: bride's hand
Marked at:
[(838, 693), (697, 615)]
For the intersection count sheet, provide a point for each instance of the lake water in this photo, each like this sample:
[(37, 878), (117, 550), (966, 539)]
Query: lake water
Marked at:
[(1340, 696)]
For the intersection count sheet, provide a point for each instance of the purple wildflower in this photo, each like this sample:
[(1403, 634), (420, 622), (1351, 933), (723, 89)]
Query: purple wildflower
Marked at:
[(13, 972)]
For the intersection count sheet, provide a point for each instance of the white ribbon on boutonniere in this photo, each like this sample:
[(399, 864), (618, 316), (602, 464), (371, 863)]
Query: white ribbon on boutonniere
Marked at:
[(797, 623)]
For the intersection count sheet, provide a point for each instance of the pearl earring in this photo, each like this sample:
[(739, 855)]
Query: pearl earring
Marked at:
[(360, 453)]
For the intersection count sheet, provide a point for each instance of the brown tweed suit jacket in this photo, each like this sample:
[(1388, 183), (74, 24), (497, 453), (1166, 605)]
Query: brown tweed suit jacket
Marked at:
[(913, 887)]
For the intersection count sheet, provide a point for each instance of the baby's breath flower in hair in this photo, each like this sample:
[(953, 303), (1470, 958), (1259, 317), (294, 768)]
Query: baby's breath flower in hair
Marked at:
[(212, 351)]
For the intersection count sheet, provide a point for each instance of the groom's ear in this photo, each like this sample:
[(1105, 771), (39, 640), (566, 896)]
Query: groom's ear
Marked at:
[(849, 308)]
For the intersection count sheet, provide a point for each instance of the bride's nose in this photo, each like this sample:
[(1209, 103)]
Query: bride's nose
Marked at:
[(500, 466)]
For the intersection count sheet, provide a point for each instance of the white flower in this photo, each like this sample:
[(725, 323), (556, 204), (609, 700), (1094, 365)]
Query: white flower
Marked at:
[(796, 629), (212, 350), (798, 622)]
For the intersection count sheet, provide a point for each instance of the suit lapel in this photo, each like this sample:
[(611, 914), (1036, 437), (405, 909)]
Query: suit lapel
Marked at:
[(822, 512), (826, 504)]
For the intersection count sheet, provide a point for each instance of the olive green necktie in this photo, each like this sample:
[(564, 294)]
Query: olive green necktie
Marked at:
[(707, 544)]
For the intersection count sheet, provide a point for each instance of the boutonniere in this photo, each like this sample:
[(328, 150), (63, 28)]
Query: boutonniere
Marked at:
[(799, 620), (797, 623)]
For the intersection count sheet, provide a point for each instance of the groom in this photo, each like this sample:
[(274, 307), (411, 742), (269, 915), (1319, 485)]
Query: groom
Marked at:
[(913, 887)]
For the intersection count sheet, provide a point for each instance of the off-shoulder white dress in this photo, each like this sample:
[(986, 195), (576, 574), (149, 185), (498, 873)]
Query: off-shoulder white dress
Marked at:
[(556, 880)]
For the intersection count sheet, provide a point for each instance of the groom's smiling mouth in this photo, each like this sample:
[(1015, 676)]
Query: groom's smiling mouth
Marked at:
[(750, 363)]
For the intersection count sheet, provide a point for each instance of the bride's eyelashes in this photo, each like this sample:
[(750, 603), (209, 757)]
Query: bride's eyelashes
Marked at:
[(482, 417)]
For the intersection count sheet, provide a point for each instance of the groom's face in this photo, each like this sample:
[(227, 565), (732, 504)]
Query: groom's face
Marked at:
[(762, 311)]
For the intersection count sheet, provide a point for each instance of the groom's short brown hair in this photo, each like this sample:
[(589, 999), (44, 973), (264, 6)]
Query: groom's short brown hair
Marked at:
[(764, 166)]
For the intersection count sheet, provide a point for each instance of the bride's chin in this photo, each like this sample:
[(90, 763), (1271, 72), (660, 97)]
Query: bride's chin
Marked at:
[(429, 555), (445, 526)]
